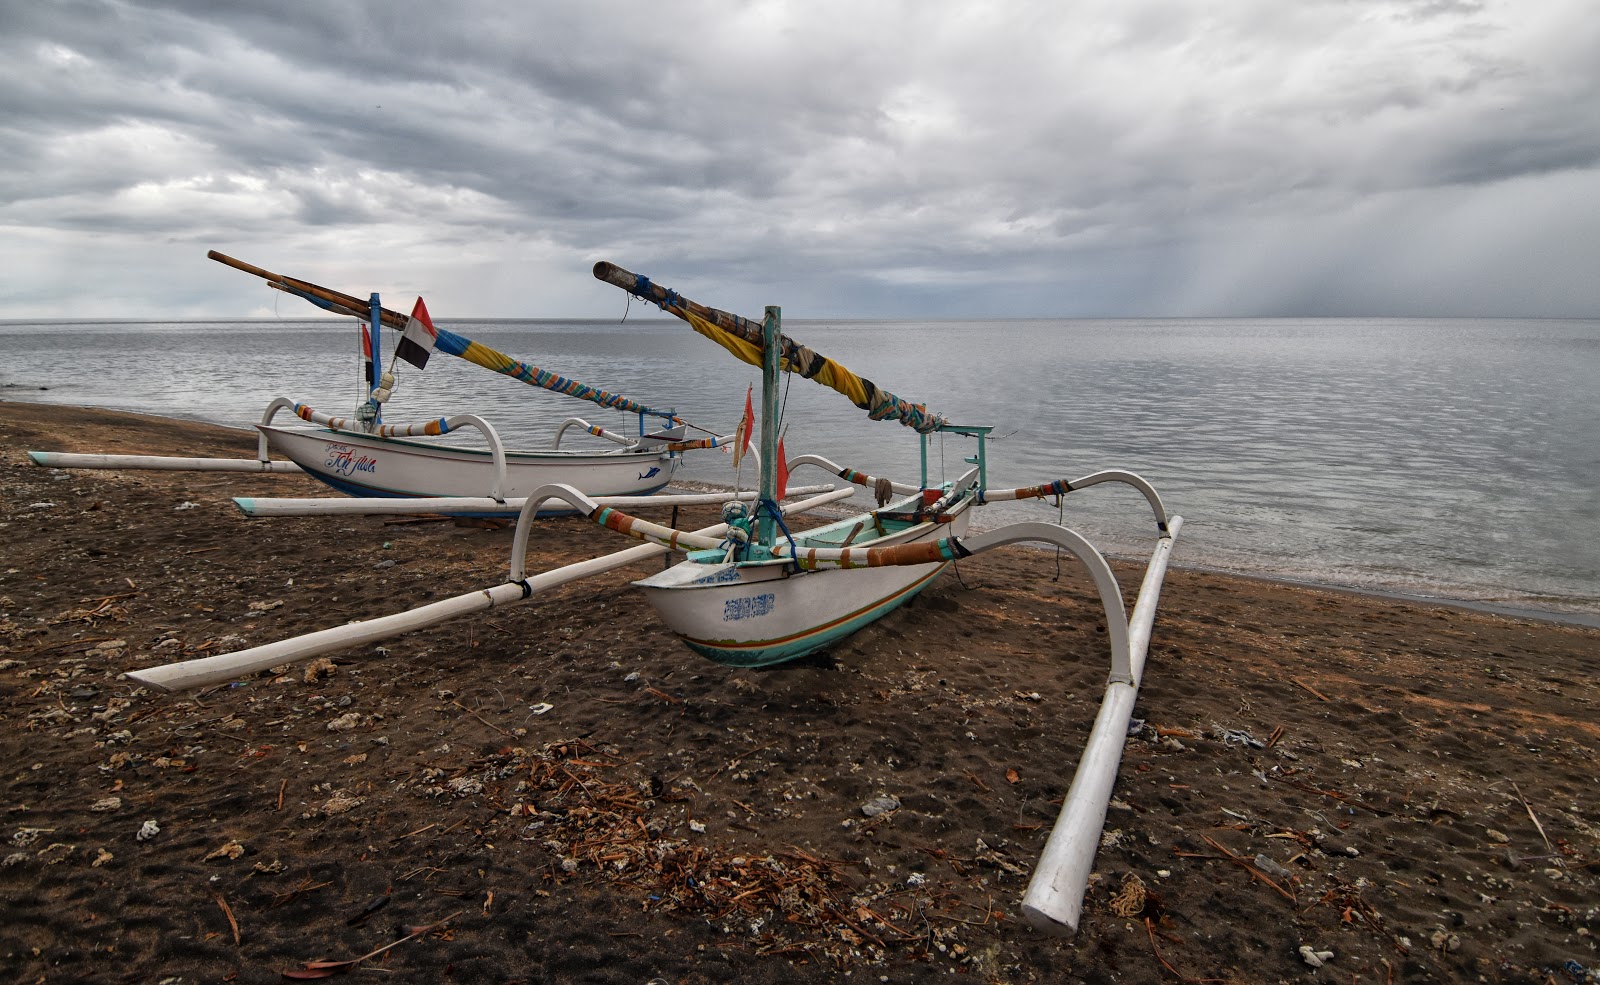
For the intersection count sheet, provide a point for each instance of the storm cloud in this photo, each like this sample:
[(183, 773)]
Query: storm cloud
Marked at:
[(913, 159)]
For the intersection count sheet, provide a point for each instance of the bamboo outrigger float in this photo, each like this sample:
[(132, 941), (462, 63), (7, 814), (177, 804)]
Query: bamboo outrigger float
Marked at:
[(751, 592)]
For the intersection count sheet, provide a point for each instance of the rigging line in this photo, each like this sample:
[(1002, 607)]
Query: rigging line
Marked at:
[(956, 567), (783, 404), (1061, 521), (627, 308)]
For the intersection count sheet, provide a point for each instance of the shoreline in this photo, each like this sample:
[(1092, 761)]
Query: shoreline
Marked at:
[(1558, 616), (1406, 785)]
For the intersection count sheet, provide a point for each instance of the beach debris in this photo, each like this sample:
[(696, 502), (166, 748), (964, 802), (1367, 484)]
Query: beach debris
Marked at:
[(101, 859), (1135, 726), (1272, 868), (265, 606), (1236, 737), (1313, 957), (344, 723), (319, 668), (106, 804), (359, 918), (185, 505), (384, 565), (227, 911), (1497, 836), (23, 837), (541, 708), (1130, 899), (341, 803), (231, 850), (881, 804), (57, 852), (147, 830), (327, 969)]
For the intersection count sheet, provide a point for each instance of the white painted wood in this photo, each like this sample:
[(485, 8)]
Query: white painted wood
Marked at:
[(160, 463)]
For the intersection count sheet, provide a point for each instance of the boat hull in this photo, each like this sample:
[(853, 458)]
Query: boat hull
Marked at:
[(752, 615), (368, 465)]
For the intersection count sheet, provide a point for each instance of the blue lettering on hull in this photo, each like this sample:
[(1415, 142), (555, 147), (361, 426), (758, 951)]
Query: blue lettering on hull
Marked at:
[(748, 607)]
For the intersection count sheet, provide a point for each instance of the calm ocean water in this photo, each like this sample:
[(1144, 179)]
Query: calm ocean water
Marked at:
[(1452, 459)]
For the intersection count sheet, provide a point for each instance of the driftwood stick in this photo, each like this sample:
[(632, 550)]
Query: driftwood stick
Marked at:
[(1529, 808)]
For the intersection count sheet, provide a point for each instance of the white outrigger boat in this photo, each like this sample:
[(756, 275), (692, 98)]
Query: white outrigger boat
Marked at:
[(751, 592), (366, 457)]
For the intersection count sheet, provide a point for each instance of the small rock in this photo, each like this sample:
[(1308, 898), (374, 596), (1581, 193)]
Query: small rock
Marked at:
[(383, 565), (880, 805), (1499, 836), (1313, 957), (341, 803), (147, 830), (346, 722)]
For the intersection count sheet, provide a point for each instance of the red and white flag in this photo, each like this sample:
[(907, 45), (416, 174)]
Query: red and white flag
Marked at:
[(420, 335), (741, 437), (366, 350)]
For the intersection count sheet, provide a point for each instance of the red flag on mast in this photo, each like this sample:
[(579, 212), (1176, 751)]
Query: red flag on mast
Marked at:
[(741, 437), (782, 485)]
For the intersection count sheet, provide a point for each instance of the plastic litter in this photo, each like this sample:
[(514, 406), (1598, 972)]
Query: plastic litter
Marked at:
[(1237, 737)]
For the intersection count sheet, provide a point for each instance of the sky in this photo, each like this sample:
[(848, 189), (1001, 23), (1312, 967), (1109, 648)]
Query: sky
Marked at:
[(886, 159)]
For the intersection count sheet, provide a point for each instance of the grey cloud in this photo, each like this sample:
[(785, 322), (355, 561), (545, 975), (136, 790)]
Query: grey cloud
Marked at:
[(1138, 157)]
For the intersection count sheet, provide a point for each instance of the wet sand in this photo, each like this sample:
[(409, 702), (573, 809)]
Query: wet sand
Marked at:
[(1409, 787)]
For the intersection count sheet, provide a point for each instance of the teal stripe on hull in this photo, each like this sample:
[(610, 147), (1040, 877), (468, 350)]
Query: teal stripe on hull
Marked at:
[(756, 655)]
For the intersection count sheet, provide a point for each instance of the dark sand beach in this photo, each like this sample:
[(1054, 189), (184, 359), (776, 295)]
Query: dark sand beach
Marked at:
[(562, 792)]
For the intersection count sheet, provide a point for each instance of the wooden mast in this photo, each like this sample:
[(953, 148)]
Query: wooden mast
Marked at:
[(770, 335)]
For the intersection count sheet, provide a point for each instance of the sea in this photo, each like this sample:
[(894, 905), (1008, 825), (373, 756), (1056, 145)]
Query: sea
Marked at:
[(1439, 459)]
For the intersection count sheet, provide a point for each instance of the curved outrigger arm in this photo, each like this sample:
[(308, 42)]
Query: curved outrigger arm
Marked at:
[(647, 442), (1061, 487), (847, 474), (594, 429)]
